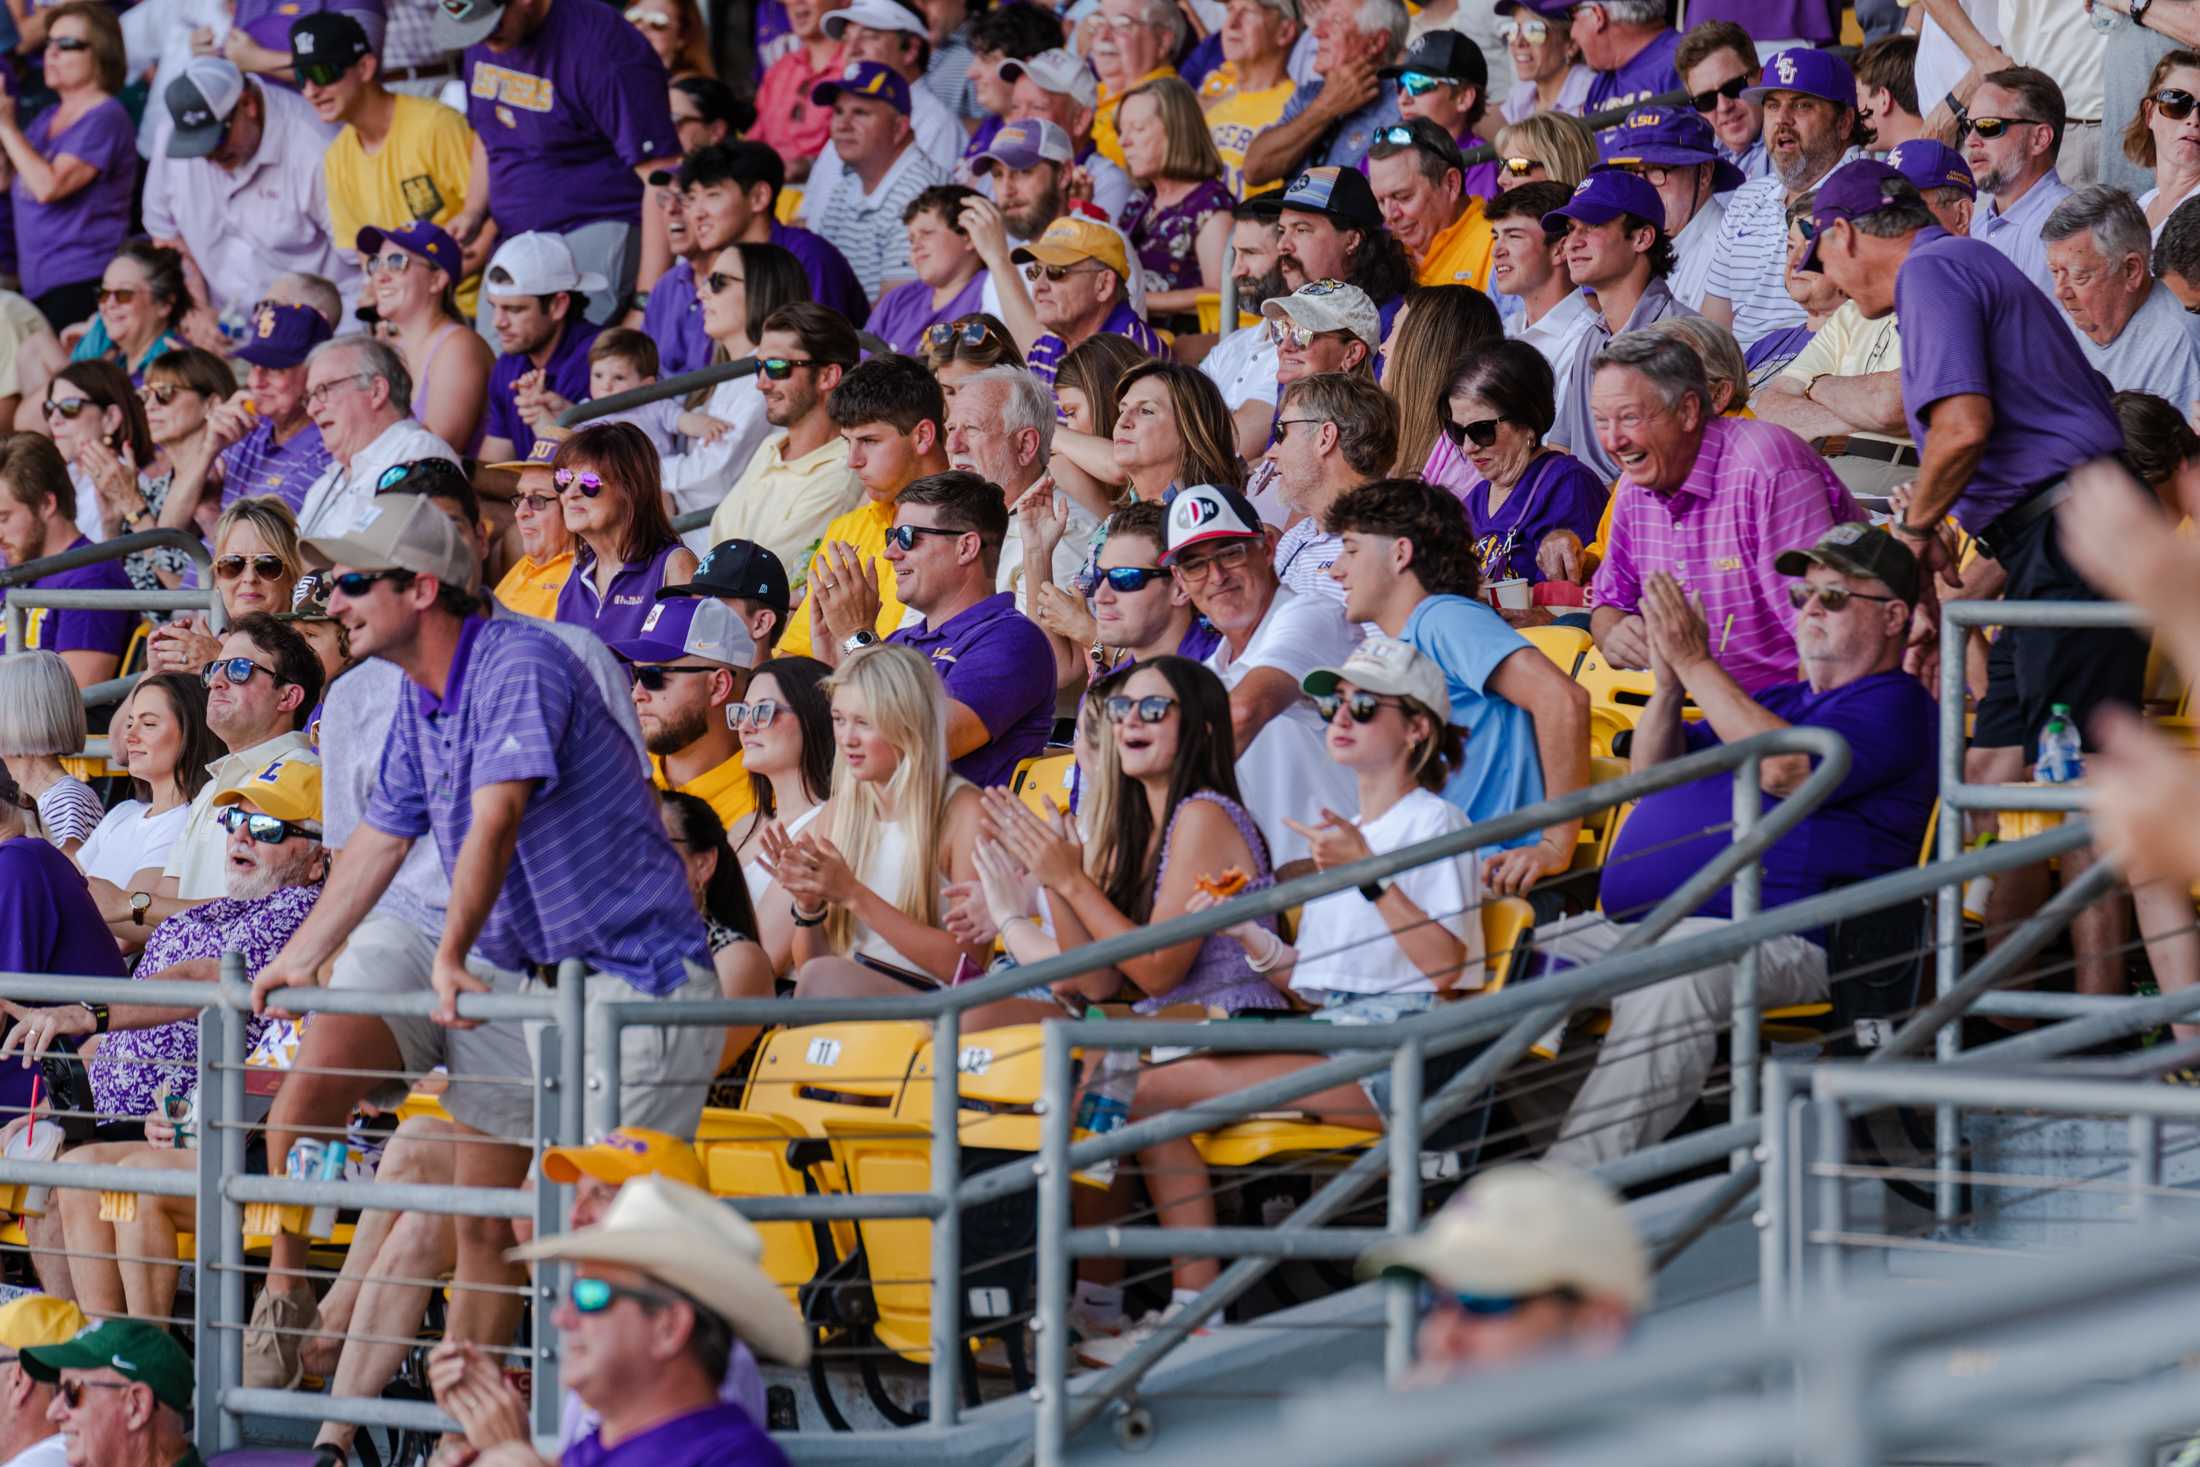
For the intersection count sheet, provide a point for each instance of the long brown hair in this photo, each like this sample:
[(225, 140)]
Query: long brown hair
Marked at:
[(2138, 136), (623, 455), (1209, 452), (1442, 322), (1095, 367)]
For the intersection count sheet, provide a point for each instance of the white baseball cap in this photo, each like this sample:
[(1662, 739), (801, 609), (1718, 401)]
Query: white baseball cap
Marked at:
[(1381, 665), (537, 264), (1059, 71), (1208, 512), (1520, 1230), (1329, 305), (879, 15)]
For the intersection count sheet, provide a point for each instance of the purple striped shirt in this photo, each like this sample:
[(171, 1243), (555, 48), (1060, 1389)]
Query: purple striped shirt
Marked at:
[(254, 465), (1755, 490), (1047, 352), (519, 706)]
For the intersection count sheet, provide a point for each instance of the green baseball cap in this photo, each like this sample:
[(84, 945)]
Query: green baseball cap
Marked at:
[(131, 1348)]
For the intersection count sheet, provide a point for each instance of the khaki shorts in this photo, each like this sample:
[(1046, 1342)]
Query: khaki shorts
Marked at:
[(664, 1072)]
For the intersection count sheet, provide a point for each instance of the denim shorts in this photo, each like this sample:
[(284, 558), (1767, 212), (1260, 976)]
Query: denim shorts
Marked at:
[(1371, 1008)]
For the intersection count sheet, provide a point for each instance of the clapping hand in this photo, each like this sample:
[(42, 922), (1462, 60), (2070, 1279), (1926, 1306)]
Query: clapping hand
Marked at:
[(470, 1386), (1048, 851), (966, 917), (1008, 889), (1679, 637)]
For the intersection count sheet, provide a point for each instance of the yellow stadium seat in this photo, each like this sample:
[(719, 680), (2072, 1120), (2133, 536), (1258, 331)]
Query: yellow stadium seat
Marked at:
[(1598, 827), (1565, 646), (1042, 781), (746, 1156), (1001, 1080), (848, 1070), (892, 1156), (1616, 698), (418, 1104)]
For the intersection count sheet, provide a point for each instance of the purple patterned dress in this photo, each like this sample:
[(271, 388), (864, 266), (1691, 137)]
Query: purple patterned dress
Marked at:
[(1220, 975), (1167, 240)]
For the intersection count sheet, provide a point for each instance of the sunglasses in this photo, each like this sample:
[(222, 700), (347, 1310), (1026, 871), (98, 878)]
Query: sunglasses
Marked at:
[(537, 503), (72, 1391), (1731, 89), (588, 481), (1486, 1306), (1229, 557), (67, 407), (266, 567), (757, 715), (718, 281), (355, 584), (1482, 432), (1519, 167), (1058, 273), (1150, 709), (1295, 336), (1991, 128), (161, 393), (779, 369), (2175, 103), (120, 296), (265, 829), (1833, 598), (967, 333), (904, 537), (656, 20), (594, 1296), (319, 73), (396, 262), (655, 677), (1534, 32), (237, 671), (1416, 84), (1362, 706), (1123, 579), (70, 45)]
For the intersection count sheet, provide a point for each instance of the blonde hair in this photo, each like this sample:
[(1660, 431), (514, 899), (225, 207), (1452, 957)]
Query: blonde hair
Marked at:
[(1190, 152), (1562, 144), (909, 711), (1719, 352), (1102, 783), (277, 526)]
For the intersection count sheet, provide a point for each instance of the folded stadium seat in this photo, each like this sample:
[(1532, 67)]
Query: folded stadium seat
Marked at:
[(1042, 781), (1598, 827), (1565, 646), (755, 1156), (1616, 700), (421, 1103)]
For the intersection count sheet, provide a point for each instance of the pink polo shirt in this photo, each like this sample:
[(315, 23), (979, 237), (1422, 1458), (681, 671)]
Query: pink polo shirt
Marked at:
[(786, 119), (1755, 490)]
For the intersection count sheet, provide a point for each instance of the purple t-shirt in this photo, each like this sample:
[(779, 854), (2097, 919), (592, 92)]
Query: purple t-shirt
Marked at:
[(49, 629), (719, 1436), (832, 279), (987, 656), (674, 320), (48, 921), (904, 313), (1773, 20), (566, 373), (1870, 825), (1557, 492), (269, 21), (618, 616), (566, 117), (1640, 77), (1972, 322), (1047, 352), (72, 239), (256, 465), (519, 706)]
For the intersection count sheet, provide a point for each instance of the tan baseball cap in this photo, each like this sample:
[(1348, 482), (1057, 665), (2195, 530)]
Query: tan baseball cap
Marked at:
[(1071, 240), (405, 532), (1520, 1230)]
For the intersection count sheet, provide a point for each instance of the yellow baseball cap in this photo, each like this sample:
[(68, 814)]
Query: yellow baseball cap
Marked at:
[(39, 1319), (1071, 240), (627, 1153), (288, 789)]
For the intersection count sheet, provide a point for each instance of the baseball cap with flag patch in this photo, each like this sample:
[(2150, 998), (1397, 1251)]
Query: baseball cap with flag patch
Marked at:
[(1208, 512), (865, 79), (199, 104), (1341, 195), (690, 626)]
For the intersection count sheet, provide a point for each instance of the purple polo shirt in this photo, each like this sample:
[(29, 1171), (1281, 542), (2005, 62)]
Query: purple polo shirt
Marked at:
[(1972, 322), (674, 320), (1556, 492), (906, 312), (566, 373), (832, 279), (1755, 490), (1640, 77), (48, 921), (1872, 824), (50, 630), (520, 706), (617, 616), (255, 465), (993, 660), (1815, 21), (1047, 352), (566, 117), (72, 239), (719, 1436), (268, 22)]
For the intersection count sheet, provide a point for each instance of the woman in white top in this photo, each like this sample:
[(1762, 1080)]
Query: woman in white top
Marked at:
[(2165, 136), (865, 894), (786, 730), (42, 718), (744, 285), (160, 736)]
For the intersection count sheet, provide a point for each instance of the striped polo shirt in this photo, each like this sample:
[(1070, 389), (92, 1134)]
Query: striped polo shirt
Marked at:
[(1755, 490), (866, 227), (1749, 267)]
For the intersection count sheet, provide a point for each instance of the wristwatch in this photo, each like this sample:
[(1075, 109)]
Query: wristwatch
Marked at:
[(857, 641), (2138, 11), (98, 1011), (1373, 891), (139, 902)]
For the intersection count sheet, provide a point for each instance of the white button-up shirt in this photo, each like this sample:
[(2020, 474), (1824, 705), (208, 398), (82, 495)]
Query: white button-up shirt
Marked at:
[(343, 492), (269, 216)]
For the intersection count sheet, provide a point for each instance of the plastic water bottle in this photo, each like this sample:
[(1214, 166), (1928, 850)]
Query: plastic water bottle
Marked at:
[(1107, 1106), (2062, 758), (334, 1154)]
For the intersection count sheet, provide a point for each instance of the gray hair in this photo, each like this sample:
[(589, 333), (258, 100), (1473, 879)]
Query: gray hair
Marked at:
[(1671, 365), (41, 711), (297, 288), (1025, 403), (376, 358), (1164, 15), (1716, 348), (1634, 12), (1383, 17), (2110, 215)]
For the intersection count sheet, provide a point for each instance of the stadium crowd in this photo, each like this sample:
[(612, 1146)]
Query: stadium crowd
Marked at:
[(1714, 358)]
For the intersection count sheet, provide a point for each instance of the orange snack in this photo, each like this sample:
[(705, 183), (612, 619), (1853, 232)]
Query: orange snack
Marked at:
[(1225, 886)]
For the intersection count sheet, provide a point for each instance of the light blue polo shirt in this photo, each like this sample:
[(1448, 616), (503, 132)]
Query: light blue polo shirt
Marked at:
[(1503, 770)]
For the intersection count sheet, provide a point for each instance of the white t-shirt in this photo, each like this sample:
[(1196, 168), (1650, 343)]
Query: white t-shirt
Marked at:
[(1287, 771), (129, 840), (1346, 946), (50, 1452)]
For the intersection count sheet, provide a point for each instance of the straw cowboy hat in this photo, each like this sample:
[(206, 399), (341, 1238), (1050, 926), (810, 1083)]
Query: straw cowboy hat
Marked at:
[(682, 1236)]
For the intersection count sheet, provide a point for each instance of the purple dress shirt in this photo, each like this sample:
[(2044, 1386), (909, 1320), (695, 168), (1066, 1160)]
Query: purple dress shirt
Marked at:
[(256, 465), (986, 655), (618, 615), (906, 312), (833, 280), (72, 239), (674, 320), (719, 1436), (566, 373)]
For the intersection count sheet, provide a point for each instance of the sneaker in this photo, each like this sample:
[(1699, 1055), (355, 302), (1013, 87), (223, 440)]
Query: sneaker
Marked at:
[(1110, 1350), (280, 1321), (1088, 1323)]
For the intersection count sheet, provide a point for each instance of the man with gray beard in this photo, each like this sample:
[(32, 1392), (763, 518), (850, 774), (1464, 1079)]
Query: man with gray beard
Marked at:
[(1243, 362)]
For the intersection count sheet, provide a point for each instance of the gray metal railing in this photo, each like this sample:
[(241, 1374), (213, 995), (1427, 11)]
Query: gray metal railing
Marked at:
[(21, 598)]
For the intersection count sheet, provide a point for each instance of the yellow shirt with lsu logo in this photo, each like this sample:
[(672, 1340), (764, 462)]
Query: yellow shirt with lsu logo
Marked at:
[(419, 172), (1235, 118)]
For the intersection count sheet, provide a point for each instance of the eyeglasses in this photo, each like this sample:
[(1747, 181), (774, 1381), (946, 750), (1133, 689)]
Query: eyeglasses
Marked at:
[(1228, 558), (1534, 32), (1058, 273), (779, 369), (1150, 709), (2175, 103), (120, 296), (1482, 432), (265, 829), (1362, 706), (318, 393), (718, 280), (396, 262), (1990, 128), (355, 584), (904, 537), (757, 715), (236, 670), (594, 1296), (72, 1391), (266, 567), (971, 332), (67, 407), (1731, 89), (1654, 174), (70, 45), (1416, 84), (1519, 167), (655, 677), (1833, 598), (588, 481), (536, 503), (1122, 579), (162, 393)]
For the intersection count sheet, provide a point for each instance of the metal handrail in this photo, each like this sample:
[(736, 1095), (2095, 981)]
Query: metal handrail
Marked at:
[(682, 384), (119, 547)]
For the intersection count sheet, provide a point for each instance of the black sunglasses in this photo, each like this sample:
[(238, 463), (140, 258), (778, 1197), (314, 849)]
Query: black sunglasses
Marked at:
[(319, 73), (2175, 103), (779, 369), (1150, 709), (238, 670), (266, 567), (655, 677), (70, 44), (265, 829), (1123, 579), (1731, 89), (1362, 706), (904, 537), (355, 584), (718, 282), (72, 1391), (1990, 128), (1482, 432)]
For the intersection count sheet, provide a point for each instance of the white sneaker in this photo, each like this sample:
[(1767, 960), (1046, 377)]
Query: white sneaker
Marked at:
[(1088, 1323), (1102, 1353)]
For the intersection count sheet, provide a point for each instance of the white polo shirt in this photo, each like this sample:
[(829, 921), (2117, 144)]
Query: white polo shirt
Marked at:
[(1286, 773), (343, 492)]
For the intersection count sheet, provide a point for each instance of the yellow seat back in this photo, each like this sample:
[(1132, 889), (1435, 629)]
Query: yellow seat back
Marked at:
[(746, 1156), (1042, 781), (1001, 1077), (889, 1156), (809, 1074), (1565, 646), (1506, 924)]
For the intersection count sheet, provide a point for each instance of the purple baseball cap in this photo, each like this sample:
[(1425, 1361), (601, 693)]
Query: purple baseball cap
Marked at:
[(689, 627), (1025, 144), (1561, 10), (1603, 196), (1932, 165), (421, 237), (866, 79), (282, 336), (1813, 73), (1668, 135), (1863, 186)]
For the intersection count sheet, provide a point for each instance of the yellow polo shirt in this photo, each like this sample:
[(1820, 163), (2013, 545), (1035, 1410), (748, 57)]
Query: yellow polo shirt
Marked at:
[(864, 528), (1103, 117), (531, 589), (1235, 118), (1460, 254), (784, 504), (725, 789)]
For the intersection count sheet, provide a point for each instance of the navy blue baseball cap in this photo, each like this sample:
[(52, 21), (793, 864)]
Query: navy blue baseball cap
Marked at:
[(1813, 73), (738, 568), (282, 336), (1605, 195), (421, 237), (1928, 164), (1862, 186), (866, 79), (1341, 195), (1666, 135)]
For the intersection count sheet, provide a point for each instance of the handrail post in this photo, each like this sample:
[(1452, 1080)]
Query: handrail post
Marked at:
[(1408, 1071), (228, 1342), (18, 625), (573, 1055), (1773, 1218), (544, 1399), (205, 1240), (1748, 887), (1055, 1192), (1948, 910), (1833, 1158), (947, 1280), (2146, 1165)]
